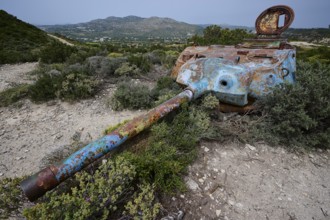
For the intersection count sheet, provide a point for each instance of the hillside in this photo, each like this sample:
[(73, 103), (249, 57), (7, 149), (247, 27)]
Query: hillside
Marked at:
[(130, 27), (19, 41), (315, 35)]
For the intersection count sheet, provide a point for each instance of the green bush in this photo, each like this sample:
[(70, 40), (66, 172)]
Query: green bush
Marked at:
[(45, 87), (299, 114), (56, 52), (104, 66), (12, 95), (131, 96), (126, 69), (65, 82), (141, 61), (216, 35), (11, 197), (142, 205), (315, 55), (76, 85), (171, 147), (165, 87), (97, 195)]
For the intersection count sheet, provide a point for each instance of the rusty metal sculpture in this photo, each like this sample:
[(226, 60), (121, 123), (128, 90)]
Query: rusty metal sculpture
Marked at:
[(236, 75)]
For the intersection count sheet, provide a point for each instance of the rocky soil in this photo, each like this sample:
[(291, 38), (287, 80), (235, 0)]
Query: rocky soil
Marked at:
[(227, 181), (236, 181)]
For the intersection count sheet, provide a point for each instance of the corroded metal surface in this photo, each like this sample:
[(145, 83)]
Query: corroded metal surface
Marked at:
[(37, 185), (236, 73), (268, 21)]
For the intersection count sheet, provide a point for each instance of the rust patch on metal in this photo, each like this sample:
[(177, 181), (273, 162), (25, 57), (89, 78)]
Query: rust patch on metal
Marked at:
[(268, 21)]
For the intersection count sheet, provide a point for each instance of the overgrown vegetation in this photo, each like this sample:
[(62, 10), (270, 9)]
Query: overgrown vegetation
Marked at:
[(19, 41), (107, 192), (299, 115), (126, 185), (11, 197), (214, 34), (14, 94), (134, 95), (315, 55)]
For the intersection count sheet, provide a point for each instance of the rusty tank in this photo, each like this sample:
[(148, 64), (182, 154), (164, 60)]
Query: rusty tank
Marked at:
[(237, 75)]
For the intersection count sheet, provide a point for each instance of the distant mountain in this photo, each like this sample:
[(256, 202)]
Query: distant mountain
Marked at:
[(130, 27), (19, 41)]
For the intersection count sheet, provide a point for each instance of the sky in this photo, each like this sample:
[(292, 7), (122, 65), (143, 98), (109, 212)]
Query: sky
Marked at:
[(308, 13)]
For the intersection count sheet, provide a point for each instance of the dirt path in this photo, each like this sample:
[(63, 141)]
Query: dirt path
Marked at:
[(30, 132), (61, 40), (11, 75), (228, 181)]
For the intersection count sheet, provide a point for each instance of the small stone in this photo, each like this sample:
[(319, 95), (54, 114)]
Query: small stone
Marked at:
[(201, 180), (223, 171), (104, 161), (250, 147), (2, 132), (182, 196), (289, 199), (58, 136), (218, 212), (26, 150), (173, 198), (180, 215), (239, 205), (1, 174), (215, 170), (295, 157), (311, 155), (19, 158), (231, 202), (192, 185), (206, 150)]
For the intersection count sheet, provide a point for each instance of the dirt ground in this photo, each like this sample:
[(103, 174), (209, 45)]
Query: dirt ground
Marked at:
[(227, 181)]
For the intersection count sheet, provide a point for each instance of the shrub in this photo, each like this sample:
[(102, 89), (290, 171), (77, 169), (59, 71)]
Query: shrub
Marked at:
[(45, 87), (12, 95), (299, 114), (11, 198), (76, 85), (56, 52), (96, 196), (103, 66), (125, 69), (165, 86), (131, 96), (142, 205), (65, 82), (171, 147), (216, 35), (141, 61)]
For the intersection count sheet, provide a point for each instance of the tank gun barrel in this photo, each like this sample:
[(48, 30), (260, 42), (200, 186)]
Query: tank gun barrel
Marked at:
[(38, 184)]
